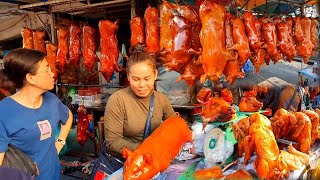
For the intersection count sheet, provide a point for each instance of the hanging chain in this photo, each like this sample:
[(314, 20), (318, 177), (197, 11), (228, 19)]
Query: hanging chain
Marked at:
[(25, 21), (35, 20)]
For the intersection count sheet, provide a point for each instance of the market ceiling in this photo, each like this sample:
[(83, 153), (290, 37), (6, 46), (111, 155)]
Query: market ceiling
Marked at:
[(92, 9)]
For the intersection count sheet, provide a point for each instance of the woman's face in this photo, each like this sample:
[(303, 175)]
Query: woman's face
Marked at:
[(142, 77), (44, 76)]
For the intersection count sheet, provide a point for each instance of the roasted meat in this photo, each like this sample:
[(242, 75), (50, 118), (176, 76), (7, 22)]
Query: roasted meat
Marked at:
[(38, 39), (52, 57), (75, 45), (314, 34), (151, 17), (156, 152), (314, 118), (217, 110), (89, 47), (191, 74), (251, 31), (214, 55), (261, 140), (63, 48), (305, 46), (109, 48), (241, 42), (249, 104), (270, 40), (302, 132), (181, 52), (291, 44), (27, 38), (166, 37), (232, 70), (137, 31)]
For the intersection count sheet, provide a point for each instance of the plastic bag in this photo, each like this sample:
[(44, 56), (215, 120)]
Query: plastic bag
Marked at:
[(216, 148), (198, 136)]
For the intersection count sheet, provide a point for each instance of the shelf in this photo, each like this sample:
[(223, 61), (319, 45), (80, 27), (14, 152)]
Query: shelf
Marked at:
[(183, 107)]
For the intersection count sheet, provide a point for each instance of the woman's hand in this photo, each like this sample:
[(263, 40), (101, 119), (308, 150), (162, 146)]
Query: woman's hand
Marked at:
[(59, 146)]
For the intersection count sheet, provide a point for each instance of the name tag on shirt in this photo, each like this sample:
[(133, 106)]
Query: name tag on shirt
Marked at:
[(45, 129)]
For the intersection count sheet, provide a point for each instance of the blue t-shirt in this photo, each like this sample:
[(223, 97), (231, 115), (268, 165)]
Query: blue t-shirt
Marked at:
[(33, 131)]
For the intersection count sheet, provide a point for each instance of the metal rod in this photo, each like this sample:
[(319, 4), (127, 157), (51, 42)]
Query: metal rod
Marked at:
[(83, 7), (87, 85), (288, 2), (45, 3)]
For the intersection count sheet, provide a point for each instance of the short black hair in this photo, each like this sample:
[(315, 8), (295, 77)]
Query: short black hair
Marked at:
[(19, 62)]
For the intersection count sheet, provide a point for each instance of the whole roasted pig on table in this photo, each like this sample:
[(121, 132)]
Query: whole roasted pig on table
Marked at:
[(157, 151)]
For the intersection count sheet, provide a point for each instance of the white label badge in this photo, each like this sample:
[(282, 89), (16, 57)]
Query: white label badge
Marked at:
[(45, 129)]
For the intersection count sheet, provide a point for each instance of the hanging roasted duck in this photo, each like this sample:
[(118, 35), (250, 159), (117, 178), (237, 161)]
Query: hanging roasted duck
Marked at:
[(267, 57), (62, 54), (27, 38), (305, 46), (302, 132), (249, 20), (298, 33), (191, 74), (232, 71), (156, 152), (89, 47), (270, 40), (109, 48), (52, 57), (214, 55), (75, 44), (192, 15), (151, 17), (314, 118), (292, 52), (241, 42), (166, 38), (259, 56), (137, 31), (240, 131), (182, 51), (283, 124), (38, 39), (261, 140), (84, 119), (283, 38), (193, 71), (314, 34)]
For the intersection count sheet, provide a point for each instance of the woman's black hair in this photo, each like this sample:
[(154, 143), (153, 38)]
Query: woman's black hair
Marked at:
[(139, 55), (19, 62)]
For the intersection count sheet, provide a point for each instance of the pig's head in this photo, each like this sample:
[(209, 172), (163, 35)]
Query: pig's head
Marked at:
[(250, 104), (138, 166), (217, 109)]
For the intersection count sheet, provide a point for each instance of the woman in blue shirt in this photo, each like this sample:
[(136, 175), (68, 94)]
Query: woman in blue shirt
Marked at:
[(29, 118)]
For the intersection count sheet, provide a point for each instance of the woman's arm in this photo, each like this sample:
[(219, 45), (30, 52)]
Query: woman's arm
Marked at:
[(64, 132), (1, 158), (168, 111), (114, 118)]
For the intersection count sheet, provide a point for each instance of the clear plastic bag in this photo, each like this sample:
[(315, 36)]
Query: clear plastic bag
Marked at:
[(216, 148), (198, 136)]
